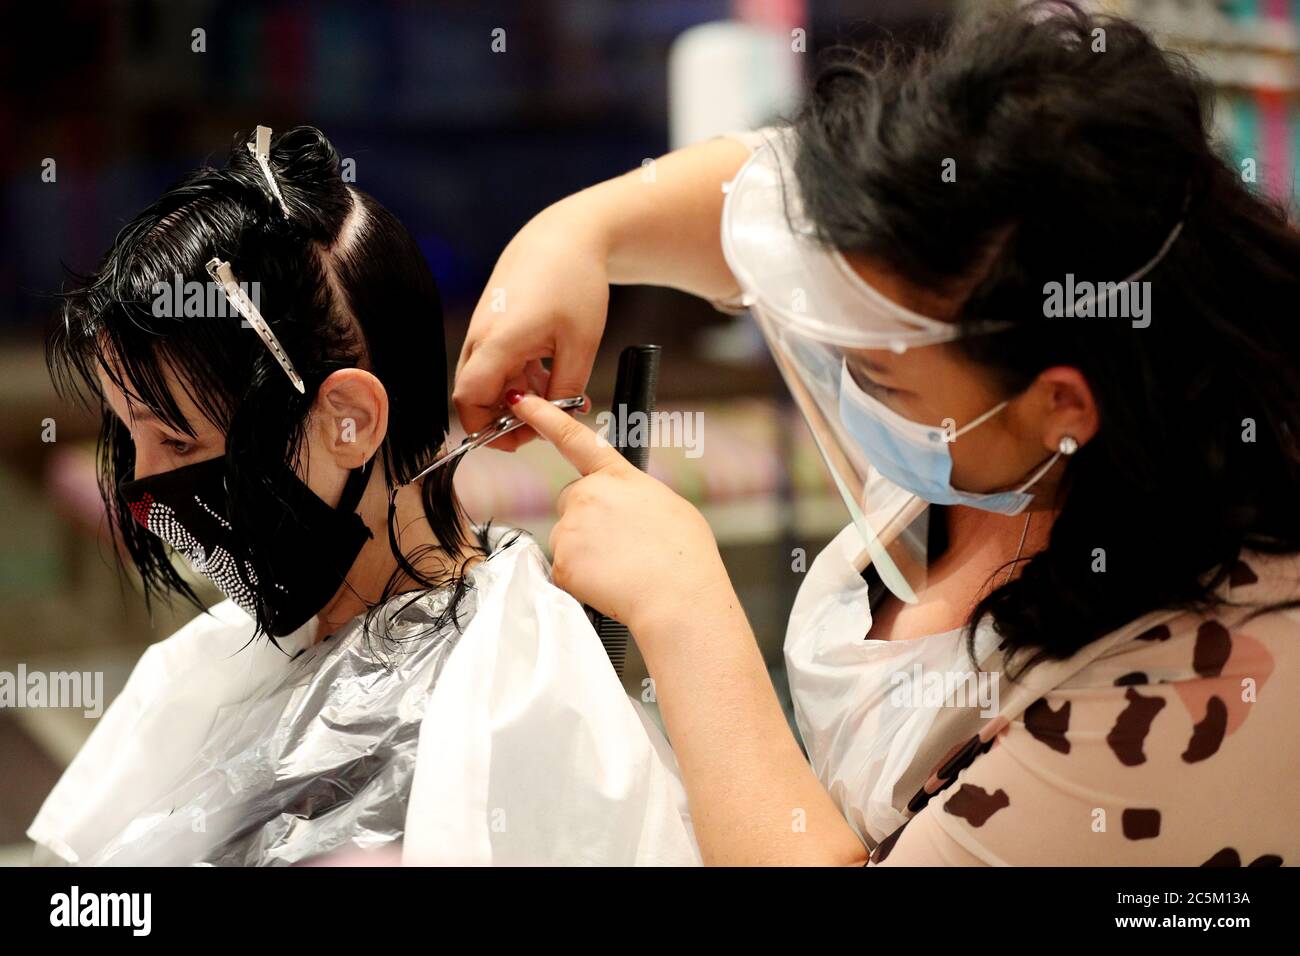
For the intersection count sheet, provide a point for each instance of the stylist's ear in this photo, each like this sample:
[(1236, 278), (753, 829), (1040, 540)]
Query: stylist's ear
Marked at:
[(1068, 408), (351, 416)]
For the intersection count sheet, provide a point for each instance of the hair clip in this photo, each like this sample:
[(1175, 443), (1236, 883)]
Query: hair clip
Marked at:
[(261, 150), (222, 273)]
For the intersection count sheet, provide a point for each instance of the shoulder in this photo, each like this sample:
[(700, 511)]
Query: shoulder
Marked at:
[(1179, 746), (513, 554), (513, 589), (1244, 640), (755, 139)]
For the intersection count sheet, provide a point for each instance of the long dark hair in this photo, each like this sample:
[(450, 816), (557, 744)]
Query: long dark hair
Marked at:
[(1074, 159), (342, 284)]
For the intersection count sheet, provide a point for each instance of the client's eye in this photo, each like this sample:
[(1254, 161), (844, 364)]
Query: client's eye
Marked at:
[(179, 448)]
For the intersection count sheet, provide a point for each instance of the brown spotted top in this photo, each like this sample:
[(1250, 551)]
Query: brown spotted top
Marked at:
[(1179, 747)]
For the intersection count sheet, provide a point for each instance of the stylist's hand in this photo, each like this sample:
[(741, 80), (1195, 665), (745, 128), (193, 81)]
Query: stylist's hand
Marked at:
[(624, 543), (546, 298)]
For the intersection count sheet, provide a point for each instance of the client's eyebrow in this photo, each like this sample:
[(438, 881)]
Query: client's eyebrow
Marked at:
[(143, 413)]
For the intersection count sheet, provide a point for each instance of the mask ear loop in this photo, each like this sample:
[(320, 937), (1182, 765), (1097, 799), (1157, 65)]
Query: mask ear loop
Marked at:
[(353, 491), (1067, 446), (355, 487), (976, 423)]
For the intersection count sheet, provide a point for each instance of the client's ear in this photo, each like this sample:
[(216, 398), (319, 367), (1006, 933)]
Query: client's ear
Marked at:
[(351, 416)]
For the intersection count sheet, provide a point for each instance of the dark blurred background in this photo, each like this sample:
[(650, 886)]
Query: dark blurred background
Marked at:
[(464, 144)]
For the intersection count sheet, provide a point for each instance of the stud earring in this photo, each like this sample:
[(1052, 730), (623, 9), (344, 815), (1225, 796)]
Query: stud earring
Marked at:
[(1067, 446)]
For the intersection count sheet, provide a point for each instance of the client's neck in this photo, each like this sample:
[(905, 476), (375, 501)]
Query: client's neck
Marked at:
[(376, 565)]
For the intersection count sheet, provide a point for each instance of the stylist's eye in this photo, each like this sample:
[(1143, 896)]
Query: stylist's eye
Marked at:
[(873, 387), (860, 372)]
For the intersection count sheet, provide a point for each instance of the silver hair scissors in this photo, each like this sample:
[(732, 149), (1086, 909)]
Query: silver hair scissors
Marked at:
[(485, 436)]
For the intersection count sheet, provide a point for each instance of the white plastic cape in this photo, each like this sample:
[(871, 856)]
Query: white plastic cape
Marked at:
[(507, 741), (853, 695)]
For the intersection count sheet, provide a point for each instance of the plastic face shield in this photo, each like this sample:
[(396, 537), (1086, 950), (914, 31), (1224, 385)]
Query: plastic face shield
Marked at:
[(814, 311)]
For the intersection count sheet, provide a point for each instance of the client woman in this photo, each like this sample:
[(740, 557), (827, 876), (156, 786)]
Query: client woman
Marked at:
[(269, 430)]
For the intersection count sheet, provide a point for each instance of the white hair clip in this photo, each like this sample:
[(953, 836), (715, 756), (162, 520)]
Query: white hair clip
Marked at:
[(222, 273), (260, 147)]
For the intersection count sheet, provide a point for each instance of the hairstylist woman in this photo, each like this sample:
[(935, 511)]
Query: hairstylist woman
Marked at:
[(1119, 476)]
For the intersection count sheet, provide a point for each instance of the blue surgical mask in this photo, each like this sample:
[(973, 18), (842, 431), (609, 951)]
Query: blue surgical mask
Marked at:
[(916, 457)]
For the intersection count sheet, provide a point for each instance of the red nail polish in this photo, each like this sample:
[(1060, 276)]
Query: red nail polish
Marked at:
[(513, 395)]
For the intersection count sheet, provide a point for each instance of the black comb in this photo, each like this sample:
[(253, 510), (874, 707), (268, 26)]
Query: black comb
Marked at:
[(634, 391)]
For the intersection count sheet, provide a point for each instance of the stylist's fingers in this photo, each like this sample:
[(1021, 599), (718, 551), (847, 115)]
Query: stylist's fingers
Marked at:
[(538, 377), (481, 383), (584, 449), (562, 499), (482, 377), (570, 369), (534, 378)]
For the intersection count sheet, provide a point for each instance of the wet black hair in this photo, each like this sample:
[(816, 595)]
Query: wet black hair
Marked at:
[(342, 284), (1079, 145)]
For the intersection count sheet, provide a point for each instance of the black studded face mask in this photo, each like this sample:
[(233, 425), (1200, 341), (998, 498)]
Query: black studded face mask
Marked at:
[(307, 545)]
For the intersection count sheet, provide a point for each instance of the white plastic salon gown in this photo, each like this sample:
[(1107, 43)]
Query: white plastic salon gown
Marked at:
[(509, 740)]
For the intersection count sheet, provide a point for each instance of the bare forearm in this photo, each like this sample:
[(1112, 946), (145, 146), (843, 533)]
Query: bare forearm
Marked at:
[(659, 225), (754, 799)]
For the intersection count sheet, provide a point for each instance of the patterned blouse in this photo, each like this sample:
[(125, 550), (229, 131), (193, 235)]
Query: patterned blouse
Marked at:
[(1180, 746)]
